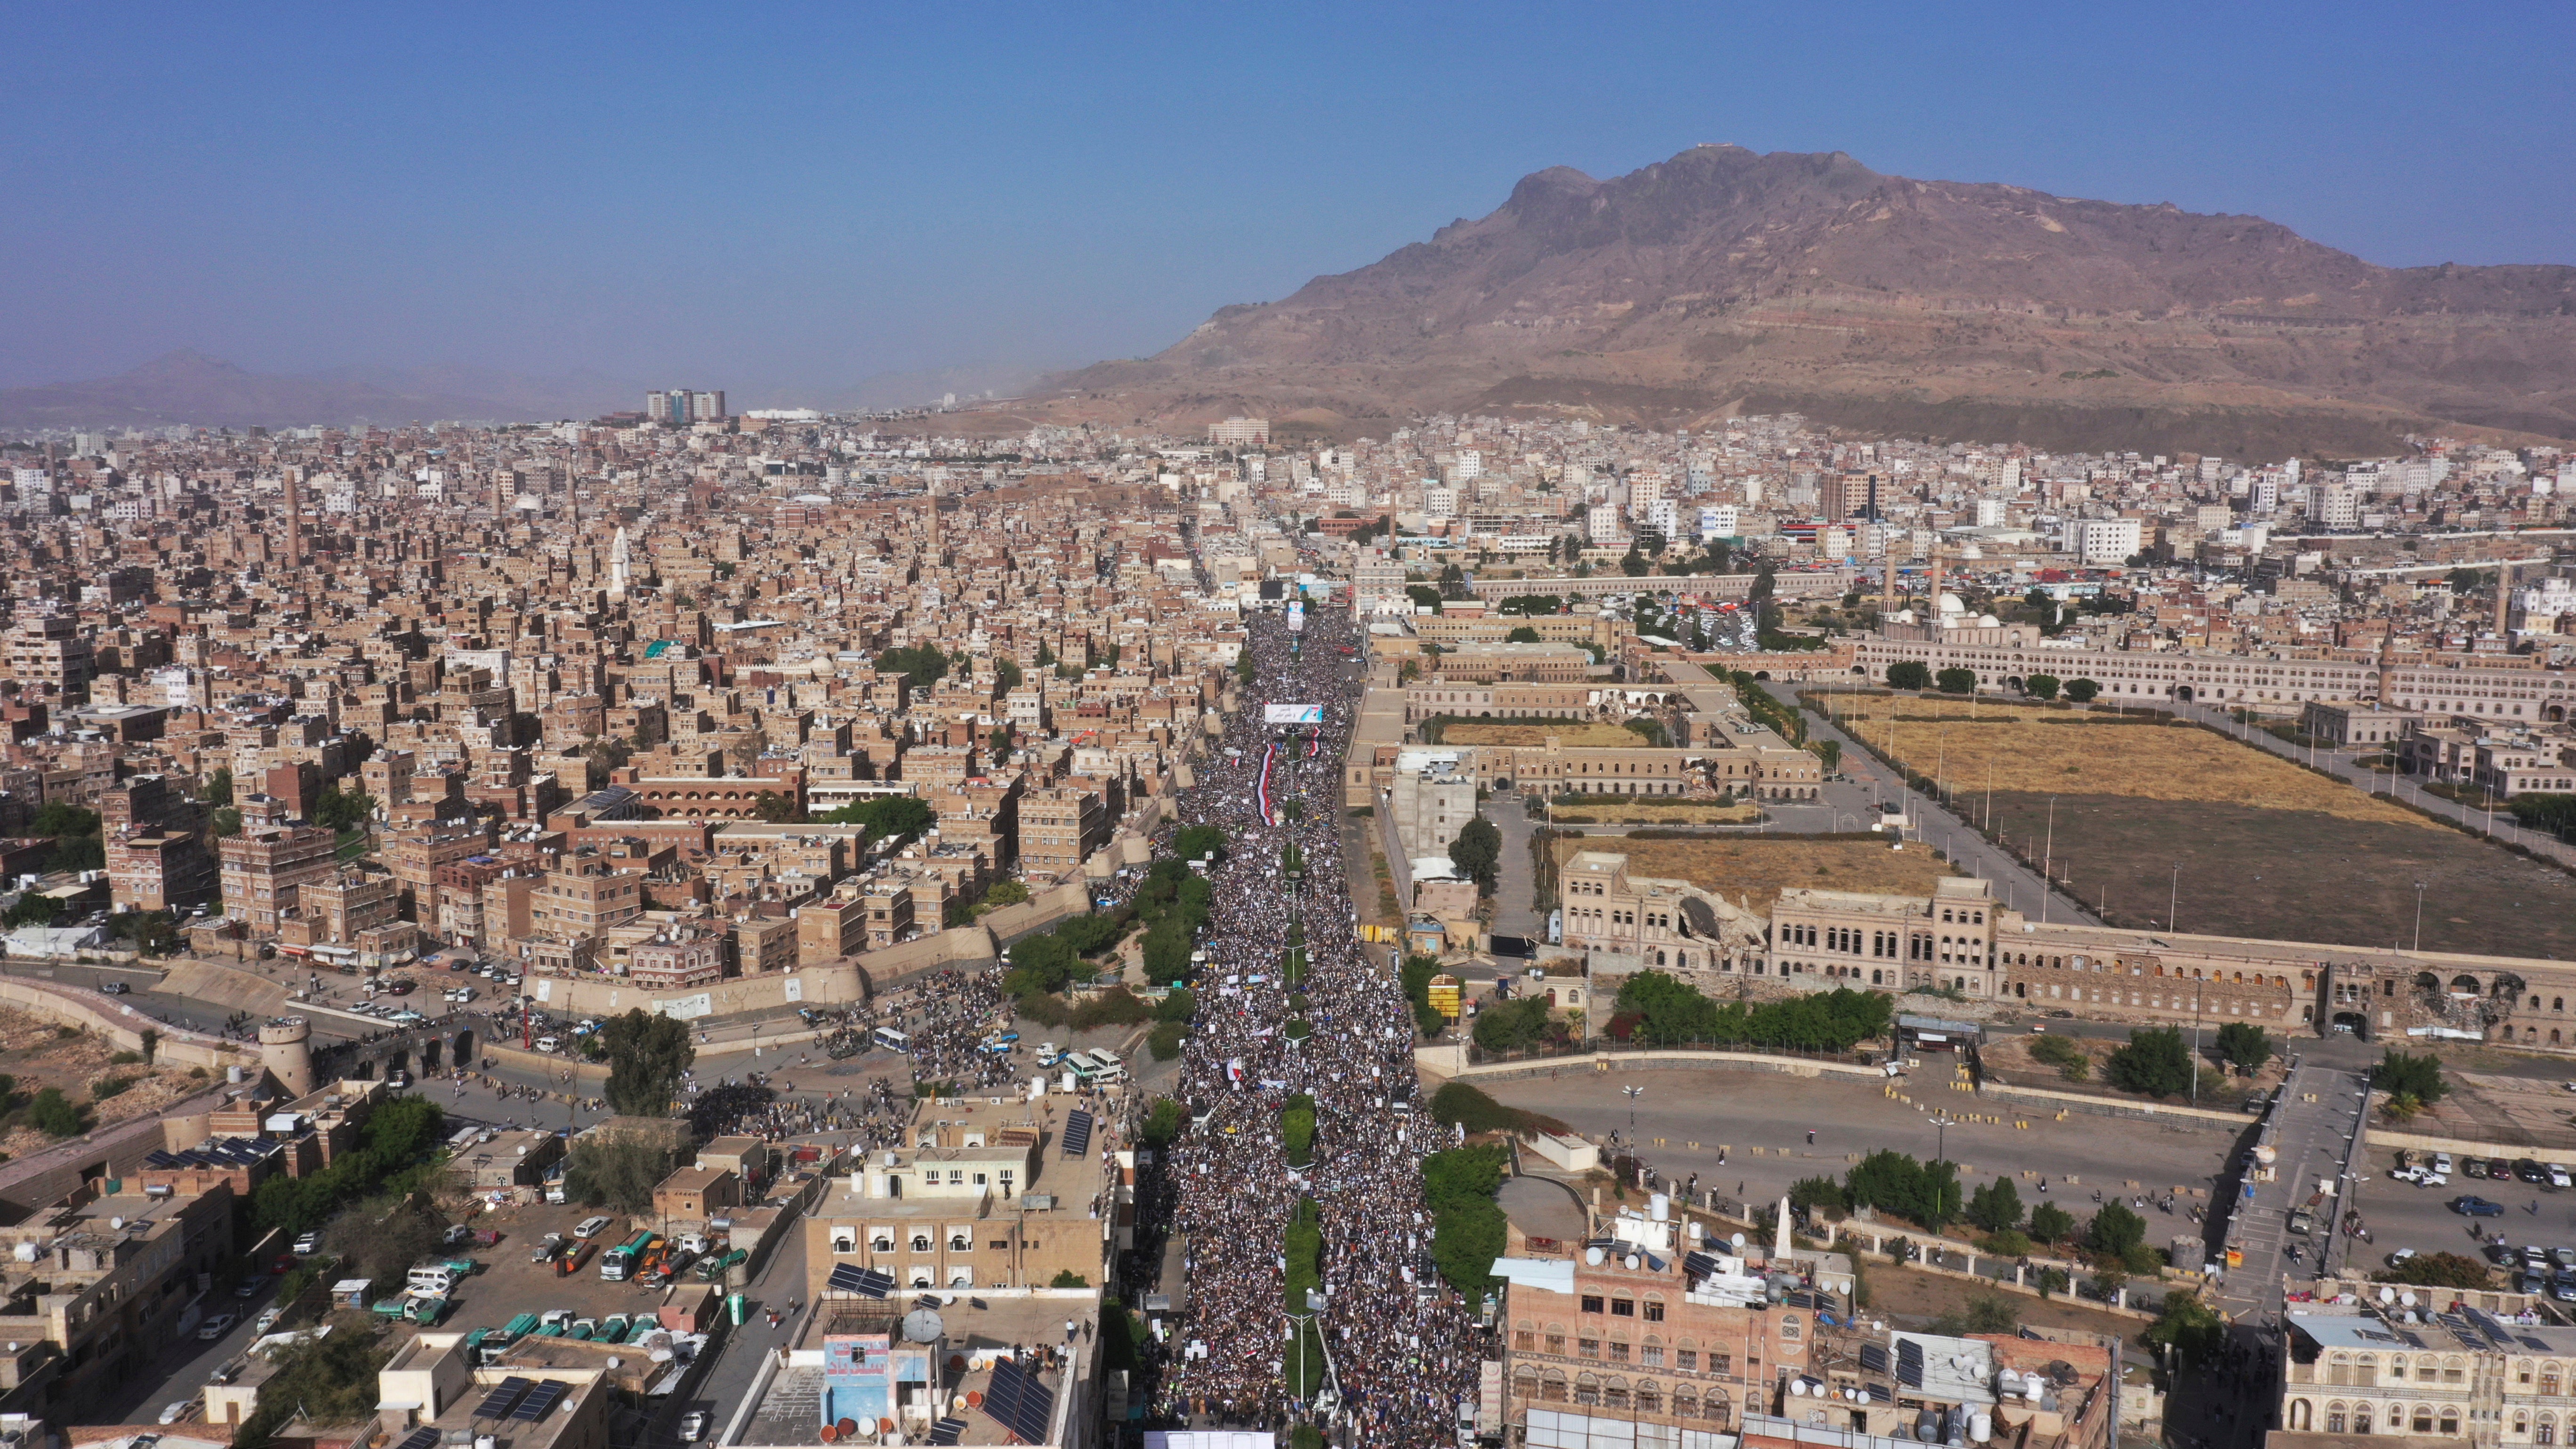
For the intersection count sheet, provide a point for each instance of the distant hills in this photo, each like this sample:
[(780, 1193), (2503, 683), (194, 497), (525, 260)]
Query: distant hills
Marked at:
[(190, 388), (1723, 281)]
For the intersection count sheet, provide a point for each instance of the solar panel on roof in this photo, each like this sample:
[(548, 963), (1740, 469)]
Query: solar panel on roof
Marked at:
[(1909, 1363), (1019, 1403), (1699, 1265), (535, 1405), (503, 1398), (1873, 1358), (866, 1282), (420, 1439), (1077, 1134), (947, 1431), (2536, 1345)]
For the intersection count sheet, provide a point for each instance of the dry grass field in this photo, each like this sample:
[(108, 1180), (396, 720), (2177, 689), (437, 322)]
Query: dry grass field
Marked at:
[(2011, 751), (1753, 870), (35, 1054), (2172, 827), (1570, 732), (1680, 813)]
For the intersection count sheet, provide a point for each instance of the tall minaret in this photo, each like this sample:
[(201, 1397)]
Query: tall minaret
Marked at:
[(2504, 597), (619, 552), (930, 494)]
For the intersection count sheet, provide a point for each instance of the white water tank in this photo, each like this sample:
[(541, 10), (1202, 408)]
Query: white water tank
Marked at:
[(1981, 1426), (1660, 1208)]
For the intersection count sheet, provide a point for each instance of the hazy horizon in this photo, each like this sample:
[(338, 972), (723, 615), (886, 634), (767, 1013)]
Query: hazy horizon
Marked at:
[(791, 202)]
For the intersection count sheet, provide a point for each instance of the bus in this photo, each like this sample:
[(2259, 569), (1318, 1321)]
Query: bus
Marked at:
[(618, 1262), (1096, 1068), (891, 1039)]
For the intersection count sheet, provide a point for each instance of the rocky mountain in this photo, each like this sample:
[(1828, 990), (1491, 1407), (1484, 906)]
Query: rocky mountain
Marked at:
[(190, 388), (1723, 281)]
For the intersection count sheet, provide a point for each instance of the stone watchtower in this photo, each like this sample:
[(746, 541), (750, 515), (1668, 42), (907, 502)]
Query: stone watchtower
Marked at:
[(286, 1050)]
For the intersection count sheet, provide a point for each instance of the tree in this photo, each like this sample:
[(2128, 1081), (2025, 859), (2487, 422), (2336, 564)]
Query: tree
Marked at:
[(2154, 1062), (1996, 1207), (921, 665), (1478, 851), (53, 1114), (2040, 686), (1956, 681), (1830, 752), (2050, 1223), (1522, 635), (619, 1173), (1424, 596), (1818, 1194), (1633, 563), (1006, 673), (773, 808), (2082, 690), (2191, 1328), (1467, 1225), (903, 816), (2438, 1270), (219, 786), (1045, 657), (2243, 1044), (1909, 674), (646, 1055), (338, 809), (2115, 1230), (1512, 1025), (383, 1236), (1243, 667), (2413, 1078), (1197, 842), (227, 823)]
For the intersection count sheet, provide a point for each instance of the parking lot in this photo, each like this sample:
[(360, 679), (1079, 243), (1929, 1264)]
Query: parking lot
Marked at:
[(2404, 1215)]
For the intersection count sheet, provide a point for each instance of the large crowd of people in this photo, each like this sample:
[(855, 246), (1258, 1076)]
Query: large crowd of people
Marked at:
[(1398, 1344)]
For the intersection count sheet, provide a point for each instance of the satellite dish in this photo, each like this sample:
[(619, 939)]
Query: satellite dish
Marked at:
[(1798, 1387), (2387, 1295), (2406, 1299), (922, 1325), (1738, 1241)]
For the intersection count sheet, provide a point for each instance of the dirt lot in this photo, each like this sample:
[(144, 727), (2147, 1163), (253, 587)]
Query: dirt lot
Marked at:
[(2266, 849), (2297, 875), (37, 1054), (1679, 814), (2011, 750), (1756, 869), (1593, 736)]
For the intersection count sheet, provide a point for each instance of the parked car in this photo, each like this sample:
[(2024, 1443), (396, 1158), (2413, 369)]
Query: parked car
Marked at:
[(398, 988), (2472, 1206), (173, 1413), (693, 1426), (117, 988), (2433, 1179), (2401, 1257), (308, 1243), (590, 1227), (247, 1288), (2527, 1169), (456, 1236), (2442, 1163), (2558, 1176), (2499, 1169), (547, 1247), (216, 1327)]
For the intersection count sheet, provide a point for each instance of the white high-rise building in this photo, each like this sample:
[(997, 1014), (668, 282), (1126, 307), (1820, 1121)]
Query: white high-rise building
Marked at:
[(2100, 540)]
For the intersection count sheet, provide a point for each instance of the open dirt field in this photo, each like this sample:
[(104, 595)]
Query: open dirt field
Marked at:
[(1685, 813), (2013, 751), (36, 1054), (1591, 736), (2298, 875), (1754, 870), (2265, 848)]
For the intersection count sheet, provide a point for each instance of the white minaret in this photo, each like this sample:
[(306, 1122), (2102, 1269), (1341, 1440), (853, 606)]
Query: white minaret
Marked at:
[(618, 553), (1780, 1236)]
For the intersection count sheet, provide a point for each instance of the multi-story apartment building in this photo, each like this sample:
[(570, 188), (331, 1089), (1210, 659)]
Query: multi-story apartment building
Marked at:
[(2458, 1374), (51, 651), (1431, 800), (1059, 829), (584, 895), (158, 869), (676, 959), (265, 867), (971, 1203)]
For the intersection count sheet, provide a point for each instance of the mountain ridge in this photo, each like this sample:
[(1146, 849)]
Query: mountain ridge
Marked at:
[(1723, 281)]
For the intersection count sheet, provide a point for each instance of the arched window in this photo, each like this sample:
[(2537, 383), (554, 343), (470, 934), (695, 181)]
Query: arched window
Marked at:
[(1587, 1390), (921, 1242), (2423, 1418), (2547, 1433), (1717, 1408), (2361, 1418), (2334, 1419)]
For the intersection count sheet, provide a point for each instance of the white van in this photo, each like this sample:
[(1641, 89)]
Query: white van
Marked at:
[(431, 1279)]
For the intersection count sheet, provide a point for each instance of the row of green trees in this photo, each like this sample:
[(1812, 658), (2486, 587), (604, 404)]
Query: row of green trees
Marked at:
[(1458, 1189), (1929, 1194), (1667, 1011), (393, 1146), (1915, 674)]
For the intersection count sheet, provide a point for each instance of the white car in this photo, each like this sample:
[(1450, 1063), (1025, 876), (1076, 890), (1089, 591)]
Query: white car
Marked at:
[(2558, 1176), (216, 1327), (307, 1244), (173, 1413), (267, 1319), (2442, 1163), (590, 1227), (693, 1426), (2399, 1258), (2434, 1179)]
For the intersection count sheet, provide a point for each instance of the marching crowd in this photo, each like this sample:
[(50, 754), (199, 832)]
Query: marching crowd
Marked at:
[(1397, 1342)]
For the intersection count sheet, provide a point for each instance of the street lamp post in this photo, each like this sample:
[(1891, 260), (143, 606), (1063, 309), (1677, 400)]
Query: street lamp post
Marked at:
[(2419, 915), (2195, 1041), (1633, 1093), (2173, 899)]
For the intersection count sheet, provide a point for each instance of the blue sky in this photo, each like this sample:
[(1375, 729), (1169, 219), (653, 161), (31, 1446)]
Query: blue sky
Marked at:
[(783, 197)]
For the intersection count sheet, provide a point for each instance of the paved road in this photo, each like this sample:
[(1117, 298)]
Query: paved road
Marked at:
[(1931, 821), (1516, 911), (2315, 1141), (781, 1282)]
